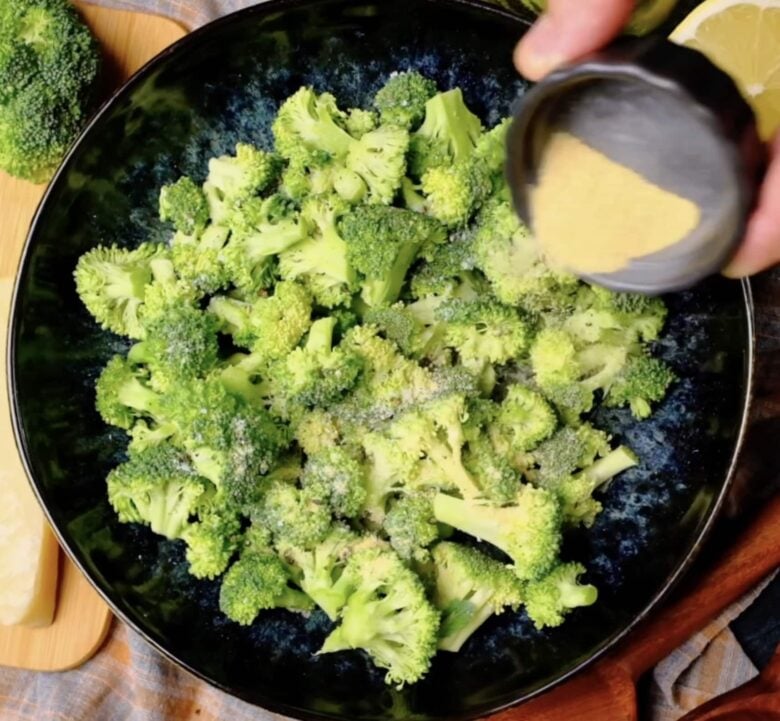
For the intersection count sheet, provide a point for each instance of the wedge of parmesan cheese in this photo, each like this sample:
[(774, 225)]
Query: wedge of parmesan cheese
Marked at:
[(28, 549)]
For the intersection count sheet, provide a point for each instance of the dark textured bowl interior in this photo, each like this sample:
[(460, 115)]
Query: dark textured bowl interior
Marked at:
[(222, 85)]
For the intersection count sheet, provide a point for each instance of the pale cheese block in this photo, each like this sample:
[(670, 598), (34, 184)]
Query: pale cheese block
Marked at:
[(29, 552)]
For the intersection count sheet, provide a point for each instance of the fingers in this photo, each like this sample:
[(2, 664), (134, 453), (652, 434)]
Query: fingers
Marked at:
[(761, 247), (567, 31)]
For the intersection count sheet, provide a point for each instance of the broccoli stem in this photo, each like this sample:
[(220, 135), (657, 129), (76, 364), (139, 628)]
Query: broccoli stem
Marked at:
[(321, 335), (476, 520), (614, 462)]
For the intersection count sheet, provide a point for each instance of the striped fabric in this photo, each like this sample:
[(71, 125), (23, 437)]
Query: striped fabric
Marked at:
[(127, 680)]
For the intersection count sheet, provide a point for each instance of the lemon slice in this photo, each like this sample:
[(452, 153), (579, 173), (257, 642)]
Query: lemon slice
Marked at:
[(742, 37)]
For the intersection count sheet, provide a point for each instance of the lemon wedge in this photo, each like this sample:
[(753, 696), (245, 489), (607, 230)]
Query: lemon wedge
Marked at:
[(742, 37)]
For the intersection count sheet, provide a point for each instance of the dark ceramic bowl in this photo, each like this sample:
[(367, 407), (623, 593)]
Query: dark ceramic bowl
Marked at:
[(223, 84)]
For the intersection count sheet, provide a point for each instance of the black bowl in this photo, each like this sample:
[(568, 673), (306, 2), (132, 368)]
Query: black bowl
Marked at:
[(223, 84)]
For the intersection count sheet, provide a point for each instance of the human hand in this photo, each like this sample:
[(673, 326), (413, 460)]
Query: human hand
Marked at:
[(571, 29)]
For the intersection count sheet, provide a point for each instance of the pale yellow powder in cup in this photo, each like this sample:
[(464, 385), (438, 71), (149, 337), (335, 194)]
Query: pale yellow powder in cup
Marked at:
[(593, 215)]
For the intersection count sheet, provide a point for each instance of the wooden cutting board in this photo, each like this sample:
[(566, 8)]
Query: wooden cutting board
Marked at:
[(82, 618)]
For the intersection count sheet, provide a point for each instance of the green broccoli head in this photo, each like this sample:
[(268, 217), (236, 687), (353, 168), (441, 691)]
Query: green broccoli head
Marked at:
[(184, 204), (233, 178), (529, 531), (470, 588), (492, 472), (549, 599), (401, 100), (447, 135), (316, 431), (49, 67), (157, 487), (483, 331), (112, 283), (308, 124), (258, 581), (338, 478), (295, 516), (491, 150), (382, 243), (122, 394), (449, 271), (197, 259), (453, 193), (643, 381), (387, 615), (359, 122), (411, 526), (523, 420), (568, 450), (211, 542), (318, 570), (379, 160)]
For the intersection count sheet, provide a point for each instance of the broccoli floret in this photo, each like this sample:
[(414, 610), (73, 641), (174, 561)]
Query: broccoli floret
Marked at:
[(569, 449), (112, 283), (49, 67), (382, 243), (529, 531), (492, 472), (401, 100), (411, 526), (157, 487), (233, 178), (321, 261), (316, 431), (295, 516), (184, 204), (258, 581), (122, 395), (643, 380), (308, 123), (212, 542), (262, 228), (453, 193), (507, 254), (387, 615), (522, 421), (548, 599), (179, 345), (470, 588), (379, 160), (449, 272), (272, 326), (335, 476), (317, 374), (483, 331), (491, 150), (359, 122), (636, 316), (318, 570), (413, 328), (198, 260), (447, 135)]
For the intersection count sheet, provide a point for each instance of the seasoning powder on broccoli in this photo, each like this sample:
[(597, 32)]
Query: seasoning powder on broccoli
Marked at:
[(593, 215)]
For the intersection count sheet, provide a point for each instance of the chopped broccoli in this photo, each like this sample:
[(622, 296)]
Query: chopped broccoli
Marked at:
[(49, 68), (295, 516), (184, 204), (359, 122), (381, 245), (316, 431), (529, 531), (198, 260), (523, 420), (644, 380), (447, 135), (470, 588), (401, 100), (211, 543), (233, 178), (387, 615), (158, 487), (379, 160), (335, 476), (453, 193), (411, 526), (548, 599)]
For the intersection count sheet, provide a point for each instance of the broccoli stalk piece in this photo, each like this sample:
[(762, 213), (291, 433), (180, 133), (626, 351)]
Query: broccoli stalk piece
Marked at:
[(157, 487), (336, 477), (382, 243), (529, 531), (112, 283), (411, 527), (548, 599), (447, 135), (387, 615), (318, 570), (49, 68), (470, 588), (401, 100), (321, 261), (379, 160)]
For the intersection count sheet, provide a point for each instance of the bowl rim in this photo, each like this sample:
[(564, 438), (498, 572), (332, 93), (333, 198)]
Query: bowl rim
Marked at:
[(269, 7)]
